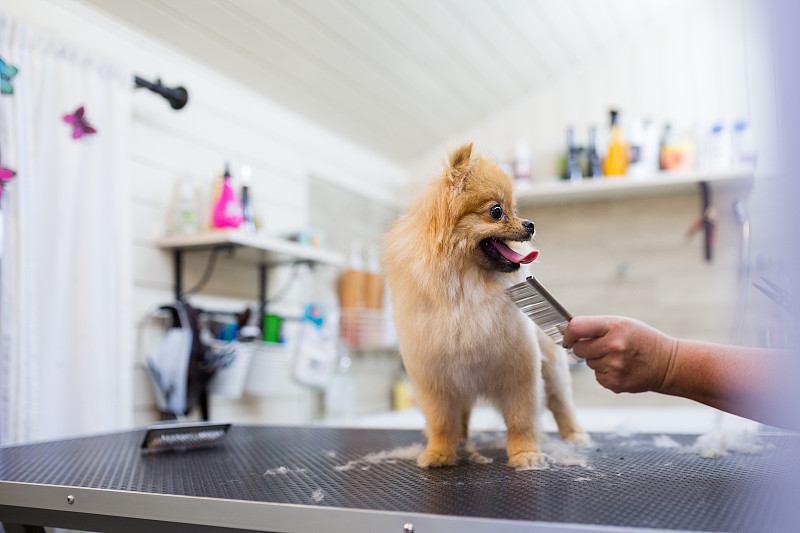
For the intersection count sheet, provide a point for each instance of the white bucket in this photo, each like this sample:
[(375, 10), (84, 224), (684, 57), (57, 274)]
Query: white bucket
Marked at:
[(269, 369), (229, 381)]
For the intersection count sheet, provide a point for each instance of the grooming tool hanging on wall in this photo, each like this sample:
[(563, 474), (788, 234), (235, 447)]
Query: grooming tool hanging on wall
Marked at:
[(177, 97)]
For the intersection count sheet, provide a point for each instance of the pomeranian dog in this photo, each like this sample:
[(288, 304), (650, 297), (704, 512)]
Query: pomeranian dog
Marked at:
[(461, 337)]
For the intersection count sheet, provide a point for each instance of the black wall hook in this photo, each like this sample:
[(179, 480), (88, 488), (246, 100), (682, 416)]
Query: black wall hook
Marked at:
[(176, 97)]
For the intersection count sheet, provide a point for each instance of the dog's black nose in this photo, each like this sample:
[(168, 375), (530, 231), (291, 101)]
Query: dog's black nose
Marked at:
[(528, 225)]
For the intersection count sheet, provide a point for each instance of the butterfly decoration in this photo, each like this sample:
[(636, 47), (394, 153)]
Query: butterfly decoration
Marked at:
[(80, 126), (6, 73), (5, 176)]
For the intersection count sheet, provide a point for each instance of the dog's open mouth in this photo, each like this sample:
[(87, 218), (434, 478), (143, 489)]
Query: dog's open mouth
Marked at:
[(503, 250)]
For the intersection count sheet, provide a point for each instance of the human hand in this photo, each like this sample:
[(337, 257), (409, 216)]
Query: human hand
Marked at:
[(627, 355)]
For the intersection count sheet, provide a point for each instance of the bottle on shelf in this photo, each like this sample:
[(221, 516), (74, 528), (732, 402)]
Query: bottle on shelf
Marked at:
[(523, 162), (719, 148), (616, 161), (649, 154), (594, 168), (675, 154), (402, 390), (215, 194), (666, 141), (572, 171), (636, 166), (248, 222), (228, 209), (744, 150), (184, 218)]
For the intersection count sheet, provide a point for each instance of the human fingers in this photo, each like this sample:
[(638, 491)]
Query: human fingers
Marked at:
[(585, 327), (596, 364), (593, 348)]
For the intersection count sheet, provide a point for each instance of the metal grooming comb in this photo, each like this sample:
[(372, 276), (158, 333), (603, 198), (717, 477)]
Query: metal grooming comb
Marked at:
[(183, 437), (541, 307)]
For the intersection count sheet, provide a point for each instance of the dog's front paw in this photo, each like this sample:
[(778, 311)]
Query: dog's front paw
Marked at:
[(528, 460), (579, 438), (433, 458)]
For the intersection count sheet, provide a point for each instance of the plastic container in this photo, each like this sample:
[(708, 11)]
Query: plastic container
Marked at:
[(229, 381), (272, 328), (269, 369)]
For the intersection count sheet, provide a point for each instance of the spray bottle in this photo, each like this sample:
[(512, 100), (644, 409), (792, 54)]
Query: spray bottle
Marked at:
[(228, 209)]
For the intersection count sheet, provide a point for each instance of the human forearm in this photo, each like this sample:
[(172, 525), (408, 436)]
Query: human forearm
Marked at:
[(735, 379), (630, 356)]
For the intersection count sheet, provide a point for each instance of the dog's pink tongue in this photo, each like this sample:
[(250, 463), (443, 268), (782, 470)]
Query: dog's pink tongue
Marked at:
[(513, 256)]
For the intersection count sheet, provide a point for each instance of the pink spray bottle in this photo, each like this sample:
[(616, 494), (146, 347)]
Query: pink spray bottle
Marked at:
[(228, 209)]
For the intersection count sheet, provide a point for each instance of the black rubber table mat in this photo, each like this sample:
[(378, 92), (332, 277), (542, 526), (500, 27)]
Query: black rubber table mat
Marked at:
[(626, 480)]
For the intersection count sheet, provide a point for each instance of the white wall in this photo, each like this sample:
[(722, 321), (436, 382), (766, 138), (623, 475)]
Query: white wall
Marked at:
[(222, 121), (709, 68), (705, 65)]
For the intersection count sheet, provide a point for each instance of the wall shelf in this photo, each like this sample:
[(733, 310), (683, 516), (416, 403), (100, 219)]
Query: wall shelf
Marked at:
[(260, 250), (254, 248), (263, 251), (661, 183)]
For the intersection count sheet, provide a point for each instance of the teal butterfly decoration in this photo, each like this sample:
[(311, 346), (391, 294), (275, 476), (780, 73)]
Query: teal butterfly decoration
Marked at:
[(6, 73)]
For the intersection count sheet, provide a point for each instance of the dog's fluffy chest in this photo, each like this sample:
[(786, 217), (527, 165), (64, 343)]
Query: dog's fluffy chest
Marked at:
[(480, 329)]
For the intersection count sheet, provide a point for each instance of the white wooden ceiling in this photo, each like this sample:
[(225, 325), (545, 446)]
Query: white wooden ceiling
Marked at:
[(395, 76)]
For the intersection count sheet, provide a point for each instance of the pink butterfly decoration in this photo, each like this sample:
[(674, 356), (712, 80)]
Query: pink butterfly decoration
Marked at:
[(80, 126), (5, 176)]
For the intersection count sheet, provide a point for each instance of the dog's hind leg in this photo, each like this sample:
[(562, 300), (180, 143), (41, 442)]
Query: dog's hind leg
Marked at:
[(558, 391), (466, 412)]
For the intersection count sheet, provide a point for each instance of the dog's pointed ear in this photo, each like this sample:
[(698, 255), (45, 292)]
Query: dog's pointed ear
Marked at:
[(460, 165)]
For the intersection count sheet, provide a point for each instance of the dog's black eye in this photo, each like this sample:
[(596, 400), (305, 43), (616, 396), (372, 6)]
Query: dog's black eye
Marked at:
[(497, 212)]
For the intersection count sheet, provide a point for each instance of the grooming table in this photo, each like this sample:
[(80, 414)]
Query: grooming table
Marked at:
[(286, 479)]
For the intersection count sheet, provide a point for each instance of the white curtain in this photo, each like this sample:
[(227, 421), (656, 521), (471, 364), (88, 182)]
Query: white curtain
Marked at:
[(65, 263)]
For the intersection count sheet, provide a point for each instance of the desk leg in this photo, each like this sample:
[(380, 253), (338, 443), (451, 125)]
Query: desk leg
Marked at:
[(21, 528)]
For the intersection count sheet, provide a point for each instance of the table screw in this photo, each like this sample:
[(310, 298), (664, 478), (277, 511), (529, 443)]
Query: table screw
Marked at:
[(70, 499), (408, 528)]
